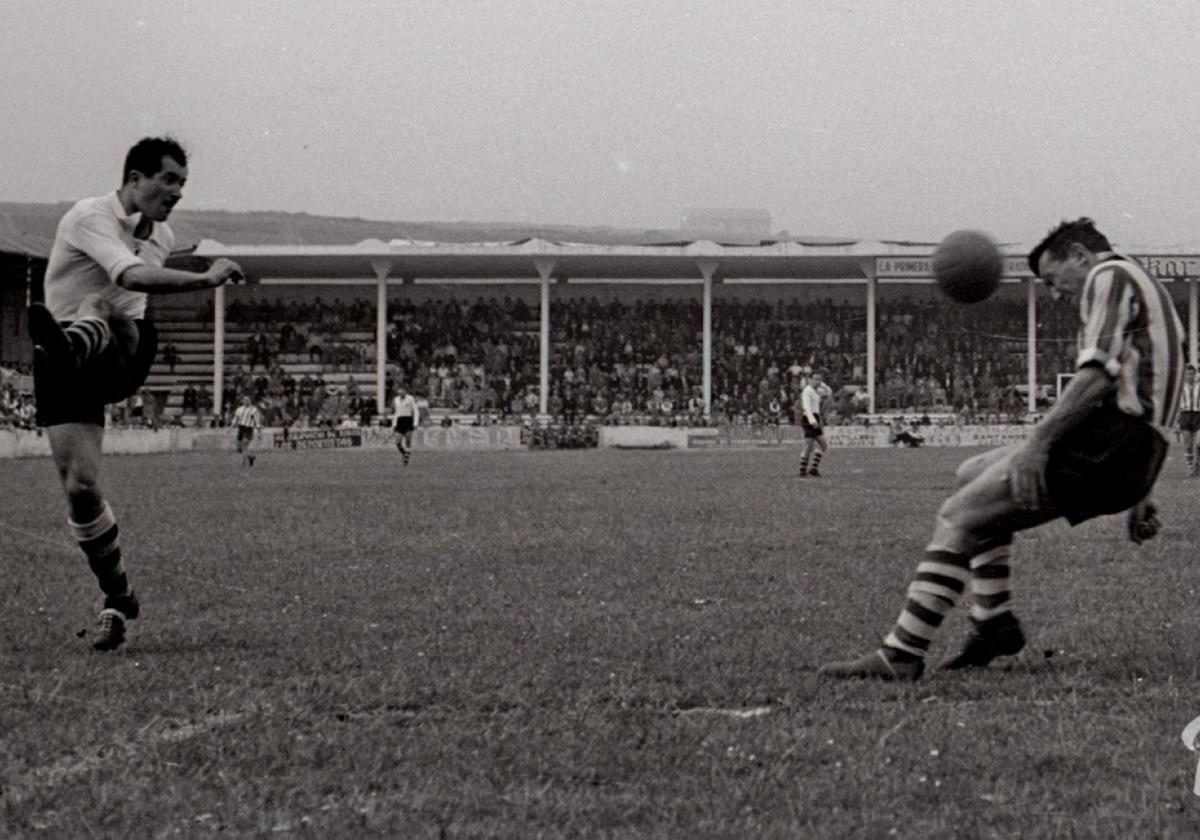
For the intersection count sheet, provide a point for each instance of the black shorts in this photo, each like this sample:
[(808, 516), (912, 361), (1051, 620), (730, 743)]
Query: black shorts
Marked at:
[(404, 425), (1189, 421), (1105, 465), (80, 396), (245, 433), (811, 431)]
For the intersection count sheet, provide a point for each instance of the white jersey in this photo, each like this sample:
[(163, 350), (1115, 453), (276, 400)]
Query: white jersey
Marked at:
[(405, 406), (1190, 397), (93, 246), (810, 403)]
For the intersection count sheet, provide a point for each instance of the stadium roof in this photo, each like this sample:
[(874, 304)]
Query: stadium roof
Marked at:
[(847, 260), (283, 246)]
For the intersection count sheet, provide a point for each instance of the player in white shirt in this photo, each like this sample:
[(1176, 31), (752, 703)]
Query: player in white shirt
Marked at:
[(247, 419), (404, 416), (1189, 416), (813, 425), (94, 346)]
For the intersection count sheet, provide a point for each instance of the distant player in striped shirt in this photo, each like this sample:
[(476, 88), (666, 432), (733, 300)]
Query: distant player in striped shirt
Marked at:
[(1097, 452), (1189, 417), (246, 419)]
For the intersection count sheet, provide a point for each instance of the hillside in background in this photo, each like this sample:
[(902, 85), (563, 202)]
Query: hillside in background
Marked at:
[(30, 228)]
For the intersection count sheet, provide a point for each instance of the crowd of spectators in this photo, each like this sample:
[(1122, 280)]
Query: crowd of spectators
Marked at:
[(287, 400), (640, 361), (17, 409)]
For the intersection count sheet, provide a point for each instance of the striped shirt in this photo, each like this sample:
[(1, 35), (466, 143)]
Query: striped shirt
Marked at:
[(1130, 328), (247, 416), (1190, 399)]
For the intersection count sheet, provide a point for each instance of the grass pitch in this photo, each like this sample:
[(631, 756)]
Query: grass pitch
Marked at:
[(573, 644)]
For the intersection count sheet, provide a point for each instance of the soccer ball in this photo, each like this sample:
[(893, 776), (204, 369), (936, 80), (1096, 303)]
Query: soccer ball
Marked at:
[(967, 266)]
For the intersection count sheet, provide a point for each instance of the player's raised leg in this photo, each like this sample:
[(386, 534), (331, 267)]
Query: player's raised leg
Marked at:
[(86, 336)]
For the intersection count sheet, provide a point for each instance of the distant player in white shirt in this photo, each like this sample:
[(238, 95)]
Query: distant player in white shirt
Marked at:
[(813, 425), (404, 415), (246, 419), (1189, 416)]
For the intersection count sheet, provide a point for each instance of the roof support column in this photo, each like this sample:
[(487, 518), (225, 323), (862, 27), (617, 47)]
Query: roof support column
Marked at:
[(545, 268), (872, 291), (1031, 343), (218, 350), (381, 268), (1192, 317), (708, 270)]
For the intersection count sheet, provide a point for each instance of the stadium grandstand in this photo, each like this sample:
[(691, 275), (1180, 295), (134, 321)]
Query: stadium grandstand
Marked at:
[(625, 327)]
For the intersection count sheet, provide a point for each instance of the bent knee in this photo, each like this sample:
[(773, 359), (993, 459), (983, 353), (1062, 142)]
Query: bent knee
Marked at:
[(969, 469), (80, 486)]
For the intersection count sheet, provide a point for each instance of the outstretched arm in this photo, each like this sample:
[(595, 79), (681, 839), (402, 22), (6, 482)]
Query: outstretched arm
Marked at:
[(159, 279)]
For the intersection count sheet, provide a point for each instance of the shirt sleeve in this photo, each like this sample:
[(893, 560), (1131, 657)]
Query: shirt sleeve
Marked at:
[(99, 236), (1106, 308)]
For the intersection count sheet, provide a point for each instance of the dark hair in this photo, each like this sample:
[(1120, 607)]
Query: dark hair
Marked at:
[(147, 154), (1082, 230)]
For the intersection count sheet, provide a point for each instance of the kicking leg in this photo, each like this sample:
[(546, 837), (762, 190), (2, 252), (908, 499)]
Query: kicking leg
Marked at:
[(85, 338)]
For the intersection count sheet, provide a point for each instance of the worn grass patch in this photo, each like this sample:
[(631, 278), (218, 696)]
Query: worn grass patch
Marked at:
[(573, 644)]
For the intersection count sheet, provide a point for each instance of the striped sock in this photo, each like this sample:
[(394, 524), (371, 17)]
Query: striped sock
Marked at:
[(89, 336), (816, 461), (804, 465), (100, 541), (990, 571), (939, 582)]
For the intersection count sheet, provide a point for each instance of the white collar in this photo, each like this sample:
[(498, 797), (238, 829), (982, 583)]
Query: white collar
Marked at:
[(129, 221)]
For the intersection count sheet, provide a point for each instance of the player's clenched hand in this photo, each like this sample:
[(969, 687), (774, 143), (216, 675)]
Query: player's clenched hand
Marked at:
[(1143, 522), (1027, 477), (225, 271)]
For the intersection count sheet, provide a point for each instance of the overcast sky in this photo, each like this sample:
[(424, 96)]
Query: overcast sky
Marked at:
[(873, 119)]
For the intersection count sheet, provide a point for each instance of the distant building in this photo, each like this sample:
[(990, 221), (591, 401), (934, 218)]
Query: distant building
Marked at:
[(726, 224)]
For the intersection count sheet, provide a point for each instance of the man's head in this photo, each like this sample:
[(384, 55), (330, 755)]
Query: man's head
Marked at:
[(1189, 373), (1066, 255), (153, 178)]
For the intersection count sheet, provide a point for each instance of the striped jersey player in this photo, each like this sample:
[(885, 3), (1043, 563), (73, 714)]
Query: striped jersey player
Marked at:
[(247, 419), (1098, 451)]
